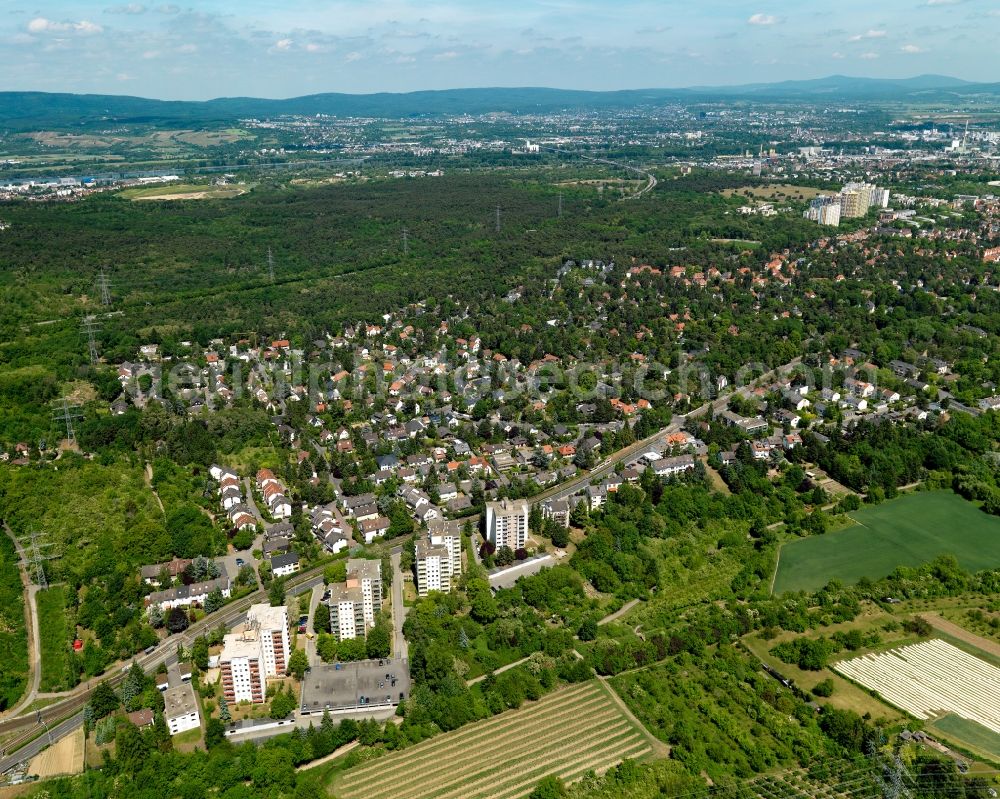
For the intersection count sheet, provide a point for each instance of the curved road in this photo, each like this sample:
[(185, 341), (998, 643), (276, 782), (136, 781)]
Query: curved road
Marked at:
[(650, 177)]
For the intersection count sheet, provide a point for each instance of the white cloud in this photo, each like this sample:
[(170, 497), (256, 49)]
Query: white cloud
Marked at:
[(838, 55), (129, 8), (168, 9), (354, 56), (869, 34), (283, 44), (43, 25), (446, 56), (763, 19), (869, 56), (943, 2), (911, 49)]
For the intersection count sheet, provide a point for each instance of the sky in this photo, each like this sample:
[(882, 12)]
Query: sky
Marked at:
[(215, 48)]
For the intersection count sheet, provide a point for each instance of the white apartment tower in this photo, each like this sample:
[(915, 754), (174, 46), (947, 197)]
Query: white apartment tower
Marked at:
[(434, 568), (507, 523), (367, 575), (438, 558), (272, 626), (242, 668), (347, 618)]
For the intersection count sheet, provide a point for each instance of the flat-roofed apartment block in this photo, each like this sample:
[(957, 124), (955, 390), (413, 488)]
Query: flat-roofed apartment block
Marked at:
[(442, 533), (242, 667), (272, 625), (507, 523), (180, 709), (438, 558), (347, 613), (367, 575), (434, 567)]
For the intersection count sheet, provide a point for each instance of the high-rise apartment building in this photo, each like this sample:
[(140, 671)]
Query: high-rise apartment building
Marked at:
[(825, 210), (242, 666), (250, 656), (433, 566), (507, 523), (367, 575), (272, 624), (347, 618), (438, 558)]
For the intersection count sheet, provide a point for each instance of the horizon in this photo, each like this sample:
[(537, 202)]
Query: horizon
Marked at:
[(539, 87), (227, 49)]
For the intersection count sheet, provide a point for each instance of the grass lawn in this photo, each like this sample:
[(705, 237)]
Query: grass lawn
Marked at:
[(969, 734), (187, 741), (907, 531), (55, 639)]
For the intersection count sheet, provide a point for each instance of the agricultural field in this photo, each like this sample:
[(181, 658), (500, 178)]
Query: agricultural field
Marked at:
[(929, 679), (567, 733), (968, 733), (907, 531), (822, 780), (65, 756)]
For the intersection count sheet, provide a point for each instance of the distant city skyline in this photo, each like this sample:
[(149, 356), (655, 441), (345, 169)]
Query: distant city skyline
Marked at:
[(215, 48)]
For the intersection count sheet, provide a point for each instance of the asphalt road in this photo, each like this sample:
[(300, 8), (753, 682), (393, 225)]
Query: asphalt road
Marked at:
[(400, 649)]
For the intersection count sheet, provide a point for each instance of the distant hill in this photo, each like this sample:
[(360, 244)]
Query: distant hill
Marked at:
[(33, 110)]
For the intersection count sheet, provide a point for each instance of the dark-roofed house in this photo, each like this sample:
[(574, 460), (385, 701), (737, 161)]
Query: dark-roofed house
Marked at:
[(285, 564)]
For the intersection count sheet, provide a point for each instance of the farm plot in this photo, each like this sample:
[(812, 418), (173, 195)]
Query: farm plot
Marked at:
[(908, 531), (929, 679), (566, 733)]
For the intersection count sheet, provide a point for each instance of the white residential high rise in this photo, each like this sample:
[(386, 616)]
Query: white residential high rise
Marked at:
[(367, 575), (824, 210), (241, 664), (272, 626), (507, 523), (347, 618), (434, 568), (438, 558)]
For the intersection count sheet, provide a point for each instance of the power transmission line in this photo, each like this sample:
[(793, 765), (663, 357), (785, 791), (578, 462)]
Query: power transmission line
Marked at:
[(67, 413), (104, 284), (559, 212), (270, 264), (36, 560), (498, 219), (89, 326), (406, 242)]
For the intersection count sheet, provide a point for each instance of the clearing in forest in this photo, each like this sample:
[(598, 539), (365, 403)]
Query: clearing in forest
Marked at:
[(568, 733)]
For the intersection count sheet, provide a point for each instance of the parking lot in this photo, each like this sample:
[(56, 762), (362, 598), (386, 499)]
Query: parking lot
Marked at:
[(340, 687)]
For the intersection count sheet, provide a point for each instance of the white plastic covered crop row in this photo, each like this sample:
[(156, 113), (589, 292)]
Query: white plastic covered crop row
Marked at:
[(929, 678)]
